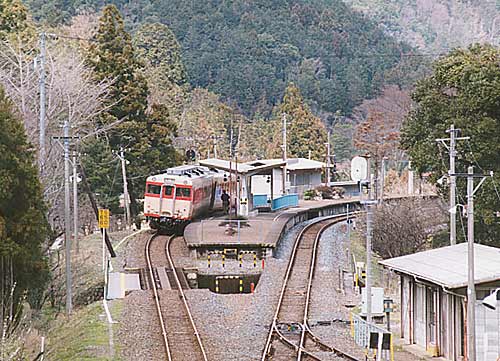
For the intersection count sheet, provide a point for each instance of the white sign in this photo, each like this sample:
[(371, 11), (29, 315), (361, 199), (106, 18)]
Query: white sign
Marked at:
[(359, 169)]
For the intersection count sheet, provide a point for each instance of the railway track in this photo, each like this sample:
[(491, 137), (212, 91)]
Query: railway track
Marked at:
[(290, 337), (180, 336)]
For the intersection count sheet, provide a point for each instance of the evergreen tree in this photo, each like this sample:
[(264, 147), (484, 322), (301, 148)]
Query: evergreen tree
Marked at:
[(142, 131), (23, 226), (157, 46), (463, 90), (13, 17), (112, 56), (305, 132)]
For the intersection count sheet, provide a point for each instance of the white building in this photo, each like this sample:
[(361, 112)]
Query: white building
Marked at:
[(434, 300)]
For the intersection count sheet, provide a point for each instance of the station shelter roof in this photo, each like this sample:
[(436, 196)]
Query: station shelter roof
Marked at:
[(447, 266), (248, 168), (262, 165)]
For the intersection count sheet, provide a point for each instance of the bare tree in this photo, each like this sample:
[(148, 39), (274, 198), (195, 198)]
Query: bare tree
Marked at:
[(404, 226), (71, 94)]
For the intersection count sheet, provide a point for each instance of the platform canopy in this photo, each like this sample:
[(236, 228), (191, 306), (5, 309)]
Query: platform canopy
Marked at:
[(447, 266), (248, 168)]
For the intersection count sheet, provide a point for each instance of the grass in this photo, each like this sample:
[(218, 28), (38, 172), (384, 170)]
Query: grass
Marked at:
[(85, 336), (358, 248)]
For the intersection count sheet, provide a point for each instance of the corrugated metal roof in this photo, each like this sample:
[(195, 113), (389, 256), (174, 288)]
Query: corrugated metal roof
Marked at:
[(447, 266), (262, 164), (303, 164)]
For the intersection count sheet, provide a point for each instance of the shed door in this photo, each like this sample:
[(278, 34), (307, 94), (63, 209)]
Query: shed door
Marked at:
[(420, 324)]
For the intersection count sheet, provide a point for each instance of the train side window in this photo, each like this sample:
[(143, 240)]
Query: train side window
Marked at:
[(183, 192), (154, 189), (168, 190)]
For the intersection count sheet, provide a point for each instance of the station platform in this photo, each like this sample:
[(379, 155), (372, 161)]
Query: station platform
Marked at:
[(261, 233)]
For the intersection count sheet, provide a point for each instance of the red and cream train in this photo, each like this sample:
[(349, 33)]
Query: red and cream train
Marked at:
[(183, 193)]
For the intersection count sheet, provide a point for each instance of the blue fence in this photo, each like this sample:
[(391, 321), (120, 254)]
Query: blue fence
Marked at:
[(290, 200), (260, 200)]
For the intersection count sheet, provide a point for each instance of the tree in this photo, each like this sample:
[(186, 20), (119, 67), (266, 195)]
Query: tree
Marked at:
[(23, 226), (129, 121), (463, 90), (112, 56), (157, 46), (404, 226), (206, 123), (305, 132), (13, 18)]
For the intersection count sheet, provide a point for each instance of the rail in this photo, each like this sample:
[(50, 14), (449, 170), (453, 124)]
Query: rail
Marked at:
[(156, 297), (305, 330), (184, 300)]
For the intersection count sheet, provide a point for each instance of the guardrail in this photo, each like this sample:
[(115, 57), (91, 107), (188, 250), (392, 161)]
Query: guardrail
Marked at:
[(289, 200), (363, 332)]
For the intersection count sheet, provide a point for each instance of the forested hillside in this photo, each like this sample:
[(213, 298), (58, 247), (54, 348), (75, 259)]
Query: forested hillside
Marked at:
[(436, 25), (247, 51)]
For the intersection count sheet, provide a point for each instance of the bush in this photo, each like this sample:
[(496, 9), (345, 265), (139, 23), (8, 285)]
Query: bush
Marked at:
[(325, 192), (309, 194)]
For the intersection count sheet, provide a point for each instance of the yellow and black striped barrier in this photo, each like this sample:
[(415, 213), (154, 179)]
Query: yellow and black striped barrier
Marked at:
[(240, 257)]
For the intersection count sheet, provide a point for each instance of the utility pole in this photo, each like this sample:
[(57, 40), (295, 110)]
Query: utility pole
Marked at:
[(471, 288), (284, 152), (328, 159), (410, 179), (126, 203), (382, 180), (75, 202), (368, 281), (453, 181), (67, 221), (215, 146), (42, 153), (369, 220)]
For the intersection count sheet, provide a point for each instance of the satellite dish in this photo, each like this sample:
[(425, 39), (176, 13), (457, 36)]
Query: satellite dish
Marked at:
[(359, 169)]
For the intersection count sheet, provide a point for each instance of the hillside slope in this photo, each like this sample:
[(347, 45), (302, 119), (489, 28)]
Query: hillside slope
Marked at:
[(248, 50), (435, 25)]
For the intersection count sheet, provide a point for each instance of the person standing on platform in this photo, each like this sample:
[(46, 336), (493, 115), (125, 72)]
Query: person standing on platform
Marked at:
[(225, 201)]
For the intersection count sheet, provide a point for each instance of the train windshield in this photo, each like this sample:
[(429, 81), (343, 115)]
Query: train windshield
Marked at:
[(183, 192), (153, 189), (167, 190)]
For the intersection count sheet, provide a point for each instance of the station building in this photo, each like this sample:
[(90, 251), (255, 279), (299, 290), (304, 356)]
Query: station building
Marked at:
[(261, 183), (434, 300)]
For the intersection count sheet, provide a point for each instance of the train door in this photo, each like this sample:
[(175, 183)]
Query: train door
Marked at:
[(166, 202)]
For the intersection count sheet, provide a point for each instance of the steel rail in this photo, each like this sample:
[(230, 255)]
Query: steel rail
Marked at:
[(156, 297), (183, 297), (305, 327), (309, 287)]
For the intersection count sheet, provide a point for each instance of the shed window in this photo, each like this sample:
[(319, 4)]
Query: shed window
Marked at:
[(183, 192), (154, 189)]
